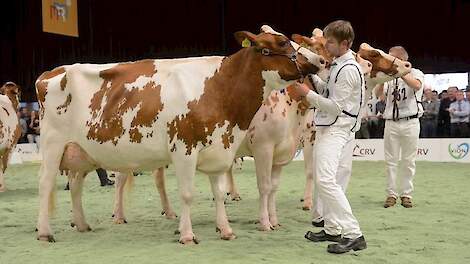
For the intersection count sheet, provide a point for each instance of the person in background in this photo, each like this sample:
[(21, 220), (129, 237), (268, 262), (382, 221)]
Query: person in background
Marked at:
[(429, 118), (102, 175), (33, 129), (443, 119), (459, 116)]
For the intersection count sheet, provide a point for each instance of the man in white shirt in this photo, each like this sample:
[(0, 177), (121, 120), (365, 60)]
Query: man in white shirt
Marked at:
[(338, 103), (402, 111), (459, 116)]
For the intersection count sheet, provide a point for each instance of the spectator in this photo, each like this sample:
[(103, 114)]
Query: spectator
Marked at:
[(24, 119), (33, 129), (443, 119), (102, 175), (429, 118), (459, 116), (380, 109)]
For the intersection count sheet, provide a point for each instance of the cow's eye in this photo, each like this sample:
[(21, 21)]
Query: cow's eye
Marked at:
[(283, 43)]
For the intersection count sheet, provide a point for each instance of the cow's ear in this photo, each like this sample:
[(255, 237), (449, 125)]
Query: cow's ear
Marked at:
[(316, 33), (302, 40), (3, 89), (245, 38)]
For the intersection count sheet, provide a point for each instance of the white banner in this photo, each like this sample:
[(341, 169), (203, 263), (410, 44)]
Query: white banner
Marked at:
[(436, 150)]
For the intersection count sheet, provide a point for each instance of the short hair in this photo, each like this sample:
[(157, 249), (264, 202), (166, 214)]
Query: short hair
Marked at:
[(453, 87), (340, 30), (402, 51)]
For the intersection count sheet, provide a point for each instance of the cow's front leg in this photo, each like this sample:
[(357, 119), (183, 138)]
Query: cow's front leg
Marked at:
[(263, 161), (223, 226), (76, 188), (275, 181), (185, 169), (309, 170)]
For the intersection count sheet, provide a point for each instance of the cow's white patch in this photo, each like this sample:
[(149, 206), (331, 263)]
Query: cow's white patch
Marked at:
[(273, 81)]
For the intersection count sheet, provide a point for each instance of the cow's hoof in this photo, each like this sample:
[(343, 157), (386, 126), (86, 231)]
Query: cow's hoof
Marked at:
[(72, 224), (3, 189), (177, 232), (169, 215), (189, 241), (228, 236), (306, 208), (120, 221), (265, 228), (85, 228), (302, 200), (48, 238), (236, 198)]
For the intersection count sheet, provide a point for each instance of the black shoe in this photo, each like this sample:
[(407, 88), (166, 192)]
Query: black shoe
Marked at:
[(318, 224), (67, 187), (346, 244), (107, 182), (322, 236)]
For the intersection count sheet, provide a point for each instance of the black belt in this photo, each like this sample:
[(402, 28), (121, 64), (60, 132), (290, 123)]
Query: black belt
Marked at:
[(405, 118)]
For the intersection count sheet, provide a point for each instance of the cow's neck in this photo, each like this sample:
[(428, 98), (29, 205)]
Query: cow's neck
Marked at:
[(239, 84), (14, 100)]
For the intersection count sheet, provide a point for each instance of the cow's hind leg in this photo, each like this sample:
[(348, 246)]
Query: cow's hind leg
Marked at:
[(118, 212), (223, 226), (185, 169), (2, 181), (159, 176), (76, 188), (47, 175), (232, 188)]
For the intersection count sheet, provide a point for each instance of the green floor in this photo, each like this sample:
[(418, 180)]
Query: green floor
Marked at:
[(436, 230)]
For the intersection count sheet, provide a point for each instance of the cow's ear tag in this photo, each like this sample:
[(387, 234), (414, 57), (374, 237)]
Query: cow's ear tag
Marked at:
[(246, 43)]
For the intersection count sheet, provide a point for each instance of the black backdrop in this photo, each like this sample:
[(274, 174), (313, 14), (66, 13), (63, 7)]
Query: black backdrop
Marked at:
[(435, 33)]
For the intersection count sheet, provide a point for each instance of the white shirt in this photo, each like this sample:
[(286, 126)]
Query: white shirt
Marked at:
[(408, 100), (339, 100), (371, 108)]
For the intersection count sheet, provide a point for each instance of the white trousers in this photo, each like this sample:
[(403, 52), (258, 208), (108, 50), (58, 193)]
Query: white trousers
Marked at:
[(401, 139), (332, 159)]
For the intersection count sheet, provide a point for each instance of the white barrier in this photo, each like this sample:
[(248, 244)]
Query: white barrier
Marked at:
[(25, 152), (436, 150)]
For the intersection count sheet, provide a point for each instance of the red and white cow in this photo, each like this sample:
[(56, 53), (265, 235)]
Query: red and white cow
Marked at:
[(280, 126), (144, 115), (10, 129)]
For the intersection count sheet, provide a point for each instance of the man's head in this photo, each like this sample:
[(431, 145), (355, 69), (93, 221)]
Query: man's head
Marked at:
[(339, 36), (451, 92), (467, 94), (435, 96), (459, 95), (428, 93), (399, 52)]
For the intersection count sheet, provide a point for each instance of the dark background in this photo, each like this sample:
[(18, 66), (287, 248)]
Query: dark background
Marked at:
[(435, 33)]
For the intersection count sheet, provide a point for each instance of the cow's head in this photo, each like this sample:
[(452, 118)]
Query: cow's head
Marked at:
[(385, 67), (283, 61), (316, 43), (13, 91)]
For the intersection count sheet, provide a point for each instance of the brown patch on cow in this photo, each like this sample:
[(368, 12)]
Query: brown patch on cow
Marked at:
[(284, 112), (251, 129), (106, 123), (4, 109), (51, 74), (150, 134), (65, 105), (135, 135), (379, 62), (227, 138), (312, 137), (6, 154), (2, 135), (173, 149), (220, 103), (63, 82)]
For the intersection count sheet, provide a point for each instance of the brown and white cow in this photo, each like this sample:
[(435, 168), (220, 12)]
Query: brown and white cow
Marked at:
[(144, 115), (10, 129), (282, 126)]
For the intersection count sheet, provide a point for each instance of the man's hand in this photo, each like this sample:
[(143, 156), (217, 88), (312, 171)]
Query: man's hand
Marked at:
[(299, 91)]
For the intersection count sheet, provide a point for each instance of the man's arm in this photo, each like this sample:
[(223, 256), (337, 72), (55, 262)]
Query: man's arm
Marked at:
[(414, 79), (319, 84)]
